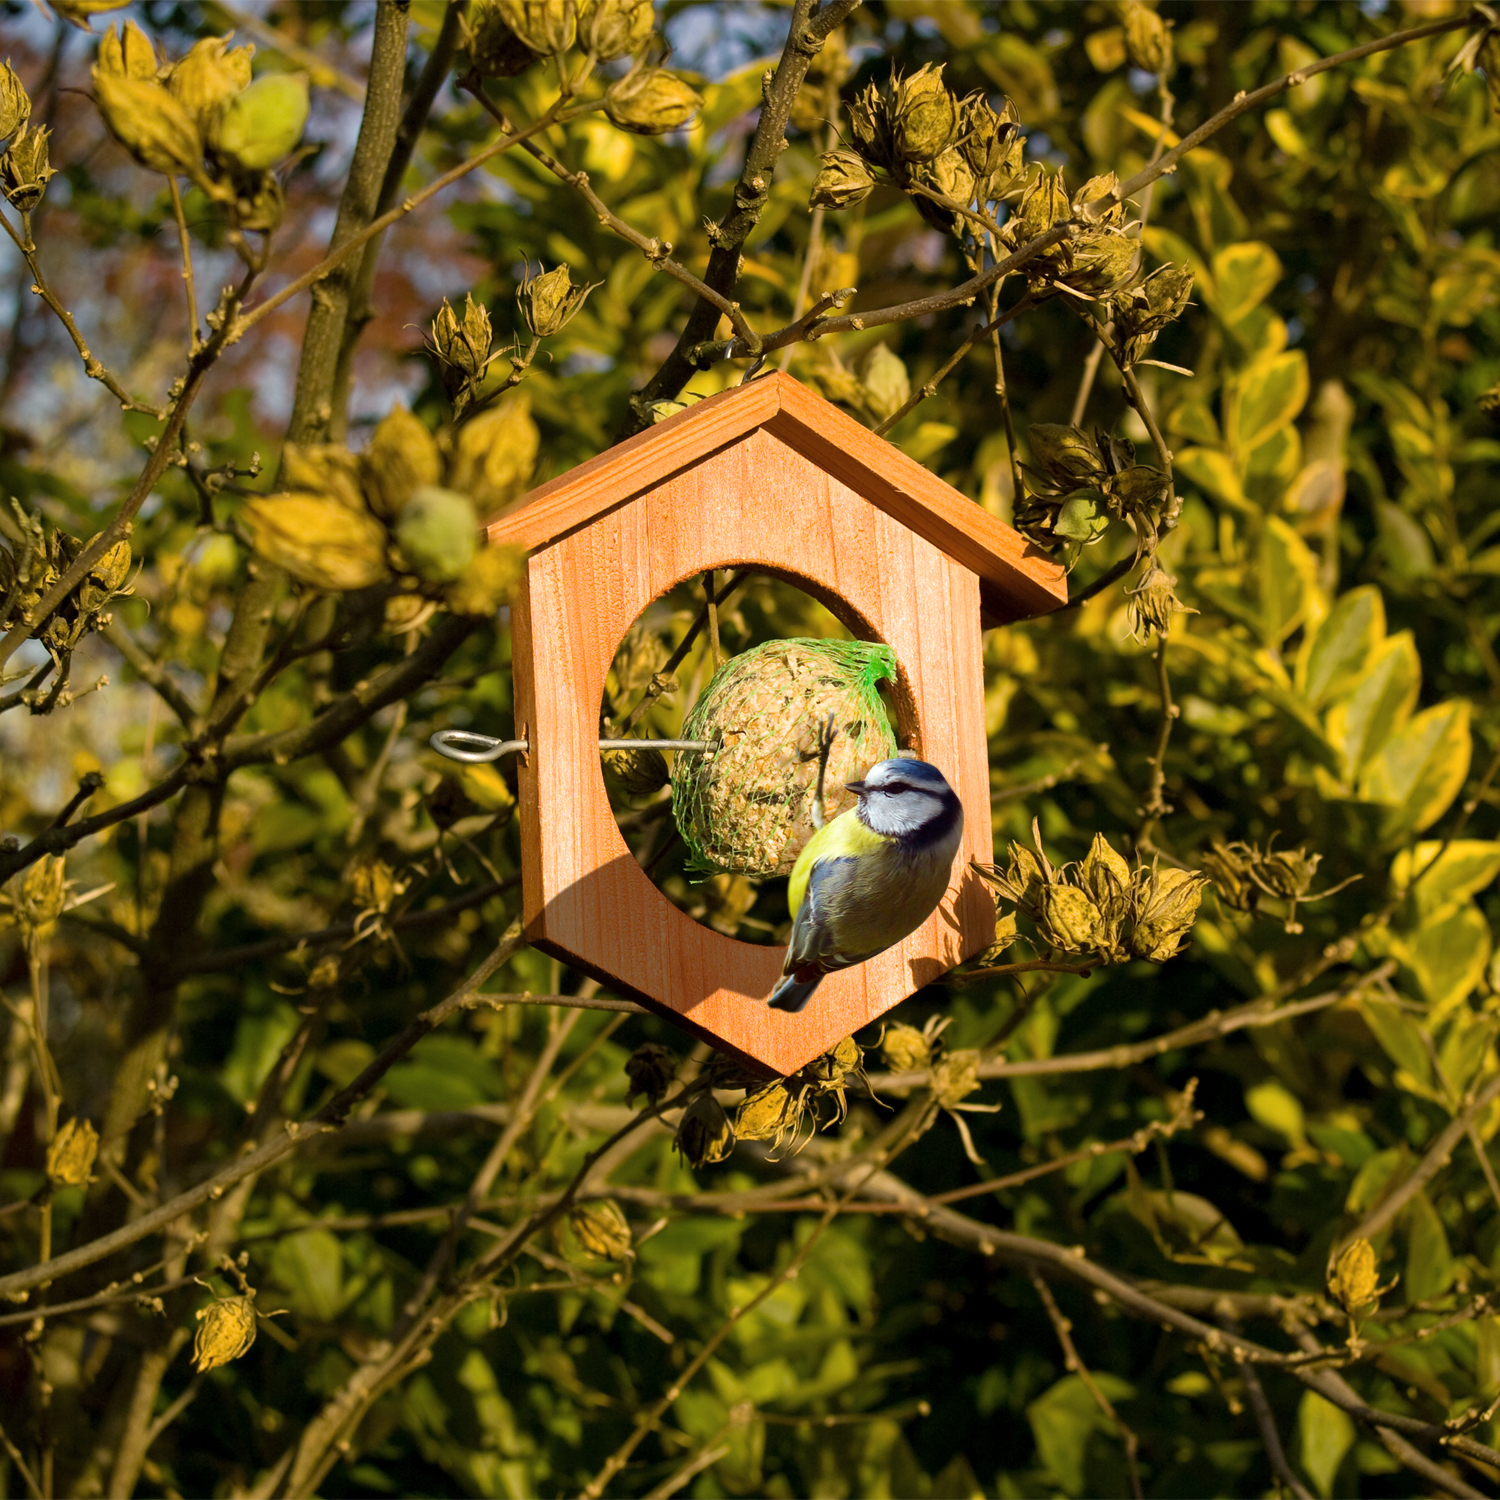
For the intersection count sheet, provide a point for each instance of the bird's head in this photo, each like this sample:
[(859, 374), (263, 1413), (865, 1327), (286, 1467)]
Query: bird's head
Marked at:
[(906, 799)]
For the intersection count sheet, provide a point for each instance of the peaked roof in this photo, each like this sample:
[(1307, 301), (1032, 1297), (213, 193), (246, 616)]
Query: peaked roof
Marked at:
[(1016, 579)]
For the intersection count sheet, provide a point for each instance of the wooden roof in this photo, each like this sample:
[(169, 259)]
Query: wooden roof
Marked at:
[(1016, 579)]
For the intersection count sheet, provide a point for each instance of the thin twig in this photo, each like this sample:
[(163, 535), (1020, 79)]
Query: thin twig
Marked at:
[(187, 264), (1063, 1327), (92, 367)]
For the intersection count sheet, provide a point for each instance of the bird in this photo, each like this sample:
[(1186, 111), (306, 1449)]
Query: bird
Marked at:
[(870, 876)]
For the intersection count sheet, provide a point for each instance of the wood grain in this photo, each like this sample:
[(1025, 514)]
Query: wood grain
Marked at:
[(754, 500), (1016, 580)]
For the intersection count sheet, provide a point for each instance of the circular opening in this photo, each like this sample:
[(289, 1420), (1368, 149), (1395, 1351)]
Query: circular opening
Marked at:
[(717, 829)]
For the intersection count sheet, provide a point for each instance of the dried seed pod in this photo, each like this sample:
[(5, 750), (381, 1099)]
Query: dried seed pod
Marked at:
[(769, 1114), (318, 540), (1042, 205), (1351, 1278), (1154, 601), (745, 807), (25, 170), (955, 1077), (905, 1049), (636, 773), (226, 1330), (1228, 869), (15, 103), (1069, 919), (105, 578), (126, 54), (42, 895), (462, 348), (402, 458), (209, 77), (704, 1134), (870, 124), (1166, 907), (373, 884), (150, 124), (259, 126), (1066, 455), (548, 27), (548, 301), (327, 469), (843, 180), (608, 29), (650, 1069), (1101, 264), (1148, 42), (487, 582), (651, 101), (496, 453), (602, 1229), (924, 115), (70, 1157), (438, 533)]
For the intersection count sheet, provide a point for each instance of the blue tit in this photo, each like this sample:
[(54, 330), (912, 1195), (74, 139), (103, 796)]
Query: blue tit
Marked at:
[(870, 876)]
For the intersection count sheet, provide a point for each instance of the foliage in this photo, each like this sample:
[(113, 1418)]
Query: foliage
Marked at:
[(1188, 1186)]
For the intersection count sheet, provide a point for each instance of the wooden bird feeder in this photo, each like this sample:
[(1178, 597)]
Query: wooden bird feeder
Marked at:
[(770, 476)]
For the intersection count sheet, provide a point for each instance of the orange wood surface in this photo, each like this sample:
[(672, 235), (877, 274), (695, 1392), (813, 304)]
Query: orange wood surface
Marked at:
[(727, 496), (1016, 580)]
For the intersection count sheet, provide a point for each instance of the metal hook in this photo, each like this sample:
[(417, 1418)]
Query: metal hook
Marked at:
[(477, 749)]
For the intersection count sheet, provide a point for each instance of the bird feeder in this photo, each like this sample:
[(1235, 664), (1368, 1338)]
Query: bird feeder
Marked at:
[(769, 476)]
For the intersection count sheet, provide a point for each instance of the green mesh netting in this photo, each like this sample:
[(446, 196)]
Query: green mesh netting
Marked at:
[(745, 808)]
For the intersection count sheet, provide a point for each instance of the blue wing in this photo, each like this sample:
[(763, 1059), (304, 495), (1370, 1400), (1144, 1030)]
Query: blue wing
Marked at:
[(813, 941)]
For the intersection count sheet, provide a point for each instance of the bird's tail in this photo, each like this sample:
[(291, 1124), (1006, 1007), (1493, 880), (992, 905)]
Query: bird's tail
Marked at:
[(794, 992)]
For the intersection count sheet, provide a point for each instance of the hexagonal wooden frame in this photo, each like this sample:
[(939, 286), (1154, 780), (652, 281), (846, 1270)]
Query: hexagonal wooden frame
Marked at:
[(771, 476)]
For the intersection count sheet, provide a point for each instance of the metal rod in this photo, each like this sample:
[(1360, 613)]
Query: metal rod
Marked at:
[(475, 749)]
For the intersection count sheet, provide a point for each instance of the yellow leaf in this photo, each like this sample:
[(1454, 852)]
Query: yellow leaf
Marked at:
[(1378, 704), (1421, 769), (1448, 956), (1289, 592), (1264, 398), (1244, 275), (486, 787), (1333, 655)]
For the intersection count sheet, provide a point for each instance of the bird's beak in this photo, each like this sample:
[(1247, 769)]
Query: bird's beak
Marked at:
[(857, 787)]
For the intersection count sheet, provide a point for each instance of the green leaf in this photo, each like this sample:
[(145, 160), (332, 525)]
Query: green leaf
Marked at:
[(1378, 704), (1062, 1418), (1289, 592), (1265, 397), (1278, 1109), (1213, 471), (929, 439), (258, 1040), (1244, 276), (1326, 1434), (1421, 769), (1429, 1262), (1438, 872), (1403, 541), (310, 1267), (1376, 1177), (1400, 1037), (1464, 1047), (1449, 955), (1333, 656), (445, 1072)]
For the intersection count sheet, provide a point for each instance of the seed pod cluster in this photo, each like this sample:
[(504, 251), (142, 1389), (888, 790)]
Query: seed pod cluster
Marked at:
[(203, 118), (929, 143), (1075, 484), (1100, 905), (348, 522), (36, 557), (1243, 874)]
